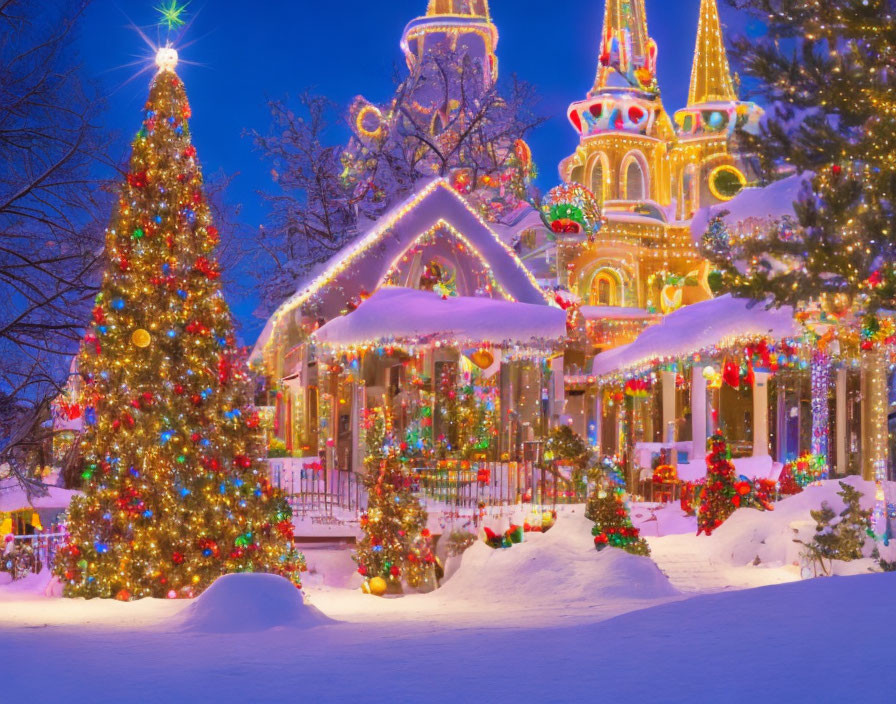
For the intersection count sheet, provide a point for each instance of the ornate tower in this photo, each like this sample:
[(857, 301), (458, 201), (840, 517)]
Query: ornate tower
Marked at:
[(622, 126), (626, 139), (707, 168), (465, 25)]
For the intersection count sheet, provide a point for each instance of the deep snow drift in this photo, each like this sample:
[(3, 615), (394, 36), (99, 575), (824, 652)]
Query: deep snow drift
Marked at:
[(561, 561), (244, 603), (550, 579)]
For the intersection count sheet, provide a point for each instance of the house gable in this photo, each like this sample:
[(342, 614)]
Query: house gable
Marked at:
[(429, 224)]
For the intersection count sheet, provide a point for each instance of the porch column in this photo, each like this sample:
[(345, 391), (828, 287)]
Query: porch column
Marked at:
[(599, 421), (760, 414), (557, 397), (698, 413), (875, 404), (359, 404), (840, 421), (669, 416), (821, 417)]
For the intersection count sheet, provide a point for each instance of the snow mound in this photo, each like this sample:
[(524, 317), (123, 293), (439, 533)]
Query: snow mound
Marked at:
[(561, 564), (749, 533), (249, 603)]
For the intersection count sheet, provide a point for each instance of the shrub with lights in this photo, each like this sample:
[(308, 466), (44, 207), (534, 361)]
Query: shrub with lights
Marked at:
[(612, 519), (721, 496), (174, 495)]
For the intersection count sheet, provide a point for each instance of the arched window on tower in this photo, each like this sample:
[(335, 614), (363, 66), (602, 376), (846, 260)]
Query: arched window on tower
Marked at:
[(597, 180), (635, 182)]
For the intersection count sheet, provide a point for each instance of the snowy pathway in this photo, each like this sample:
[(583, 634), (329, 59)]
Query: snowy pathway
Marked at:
[(684, 559)]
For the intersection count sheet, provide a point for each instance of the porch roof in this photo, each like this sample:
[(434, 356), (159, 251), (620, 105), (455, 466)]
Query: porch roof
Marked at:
[(401, 315), (698, 327)]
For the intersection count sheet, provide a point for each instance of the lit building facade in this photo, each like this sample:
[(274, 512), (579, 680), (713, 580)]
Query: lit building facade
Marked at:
[(652, 171)]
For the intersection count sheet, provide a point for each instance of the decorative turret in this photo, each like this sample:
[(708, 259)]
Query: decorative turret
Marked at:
[(625, 96), (627, 54), (713, 106), (464, 25), (711, 76)]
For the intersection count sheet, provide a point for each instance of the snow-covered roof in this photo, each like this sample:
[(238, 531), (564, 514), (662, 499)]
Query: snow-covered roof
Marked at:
[(767, 204), (402, 315), (363, 264), (698, 327), (14, 498)]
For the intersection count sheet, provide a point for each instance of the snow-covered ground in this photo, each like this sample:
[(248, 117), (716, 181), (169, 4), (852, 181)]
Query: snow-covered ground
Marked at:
[(550, 620)]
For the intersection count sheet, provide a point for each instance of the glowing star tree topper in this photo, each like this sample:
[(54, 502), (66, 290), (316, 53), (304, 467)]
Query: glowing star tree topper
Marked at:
[(172, 14)]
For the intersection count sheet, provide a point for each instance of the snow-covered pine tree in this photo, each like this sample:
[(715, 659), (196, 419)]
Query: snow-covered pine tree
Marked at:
[(839, 536)]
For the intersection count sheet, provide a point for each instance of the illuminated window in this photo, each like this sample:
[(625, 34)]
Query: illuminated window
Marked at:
[(597, 180), (605, 289)]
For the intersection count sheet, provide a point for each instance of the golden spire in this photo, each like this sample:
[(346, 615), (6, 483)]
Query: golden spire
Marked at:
[(711, 75), (468, 8), (626, 48)]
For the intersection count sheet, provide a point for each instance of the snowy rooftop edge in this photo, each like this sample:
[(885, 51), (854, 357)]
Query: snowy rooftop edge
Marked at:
[(395, 314), (697, 327)]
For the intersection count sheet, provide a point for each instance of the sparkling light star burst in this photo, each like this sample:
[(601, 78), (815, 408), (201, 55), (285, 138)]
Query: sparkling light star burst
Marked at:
[(172, 14)]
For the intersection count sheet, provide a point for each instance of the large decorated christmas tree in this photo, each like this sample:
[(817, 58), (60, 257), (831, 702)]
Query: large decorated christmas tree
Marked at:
[(174, 495)]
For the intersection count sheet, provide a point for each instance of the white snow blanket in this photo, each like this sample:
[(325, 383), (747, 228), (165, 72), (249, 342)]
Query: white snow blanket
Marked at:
[(401, 314), (696, 327)]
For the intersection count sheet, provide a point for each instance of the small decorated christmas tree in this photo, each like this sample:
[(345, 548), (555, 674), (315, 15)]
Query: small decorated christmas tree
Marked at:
[(720, 495), (612, 521), (396, 544), (174, 495)]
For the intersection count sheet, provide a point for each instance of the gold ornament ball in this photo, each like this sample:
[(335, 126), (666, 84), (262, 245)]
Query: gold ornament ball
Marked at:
[(141, 338), (376, 586)]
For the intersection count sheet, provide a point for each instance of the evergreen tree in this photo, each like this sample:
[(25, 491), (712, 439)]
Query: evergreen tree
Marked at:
[(612, 521), (720, 495), (174, 493), (828, 69), (839, 537), (396, 543)]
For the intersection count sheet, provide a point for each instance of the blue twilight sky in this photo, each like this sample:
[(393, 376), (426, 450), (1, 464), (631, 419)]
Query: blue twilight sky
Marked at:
[(254, 51)]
